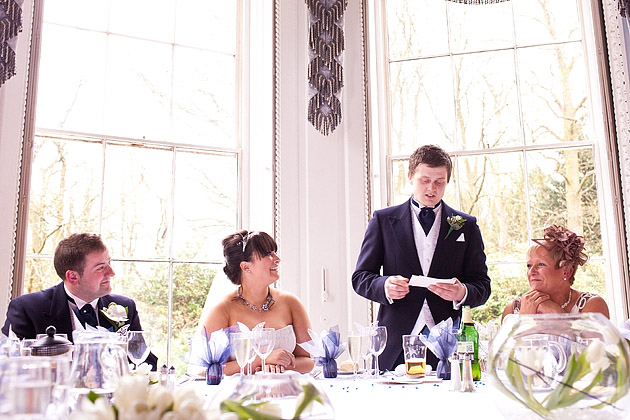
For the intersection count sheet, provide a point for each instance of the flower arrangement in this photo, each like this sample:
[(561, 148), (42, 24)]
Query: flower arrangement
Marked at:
[(561, 366), (245, 408), (455, 223), (584, 377), (116, 315), (135, 399)]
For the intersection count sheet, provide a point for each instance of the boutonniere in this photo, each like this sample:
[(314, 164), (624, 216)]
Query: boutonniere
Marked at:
[(116, 315), (455, 223)]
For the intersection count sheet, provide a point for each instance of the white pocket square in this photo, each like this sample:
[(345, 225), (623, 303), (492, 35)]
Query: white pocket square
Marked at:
[(461, 238)]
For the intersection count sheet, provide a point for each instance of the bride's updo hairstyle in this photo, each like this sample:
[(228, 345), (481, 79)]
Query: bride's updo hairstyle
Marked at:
[(244, 246), (565, 247)]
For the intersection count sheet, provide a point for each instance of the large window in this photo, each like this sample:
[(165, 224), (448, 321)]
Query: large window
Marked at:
[(138, 139), (506, 89)]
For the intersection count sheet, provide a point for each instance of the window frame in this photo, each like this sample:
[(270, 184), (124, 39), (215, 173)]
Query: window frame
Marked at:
[(611, 217)]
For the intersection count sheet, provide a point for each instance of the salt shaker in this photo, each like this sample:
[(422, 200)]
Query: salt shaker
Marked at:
[(456, 384), (170, 379), (467, 377)]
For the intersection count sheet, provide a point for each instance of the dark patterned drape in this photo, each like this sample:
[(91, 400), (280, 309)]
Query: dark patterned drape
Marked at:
[(10, 26), (478, 1), (624, 8), (325, 73)]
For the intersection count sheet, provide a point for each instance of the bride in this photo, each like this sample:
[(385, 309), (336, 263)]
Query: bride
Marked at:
[(251, 263)]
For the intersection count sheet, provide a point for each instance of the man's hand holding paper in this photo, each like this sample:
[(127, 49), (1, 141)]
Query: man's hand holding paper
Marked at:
[(396, 287), (448, 289)]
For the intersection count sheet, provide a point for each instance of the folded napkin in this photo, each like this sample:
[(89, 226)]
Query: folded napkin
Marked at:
[(325, 349), (442, 341), (9, 345), (245, 329), (212, 353)]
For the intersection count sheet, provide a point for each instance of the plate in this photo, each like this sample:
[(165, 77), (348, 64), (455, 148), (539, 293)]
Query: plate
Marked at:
[(348, 372), (403, 380)]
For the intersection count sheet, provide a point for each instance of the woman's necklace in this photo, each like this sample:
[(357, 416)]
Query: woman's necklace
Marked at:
[(265, 307), (564, 305)]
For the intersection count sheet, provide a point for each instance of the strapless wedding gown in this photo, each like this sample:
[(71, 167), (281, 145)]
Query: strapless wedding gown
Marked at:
[(285, 339)]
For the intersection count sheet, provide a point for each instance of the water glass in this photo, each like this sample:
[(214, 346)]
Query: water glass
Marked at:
[(415, 356), (25, 387), (25, 346), (138, 346)]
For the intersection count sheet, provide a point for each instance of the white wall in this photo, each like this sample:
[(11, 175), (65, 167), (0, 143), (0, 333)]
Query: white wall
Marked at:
[(321, 188), (12, 109)]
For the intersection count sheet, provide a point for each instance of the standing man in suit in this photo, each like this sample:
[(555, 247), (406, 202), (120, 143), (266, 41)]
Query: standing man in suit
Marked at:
[(83, 263), (414, 238)]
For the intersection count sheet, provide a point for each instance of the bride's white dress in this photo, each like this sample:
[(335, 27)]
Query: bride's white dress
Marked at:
[(285, 339)]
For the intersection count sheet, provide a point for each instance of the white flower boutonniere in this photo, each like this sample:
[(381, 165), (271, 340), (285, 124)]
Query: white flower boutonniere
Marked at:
[(455, 223), (116, 315)]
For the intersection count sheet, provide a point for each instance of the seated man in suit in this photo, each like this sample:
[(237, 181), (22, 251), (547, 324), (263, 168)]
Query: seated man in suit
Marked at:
[(422, 236), (83, 263)]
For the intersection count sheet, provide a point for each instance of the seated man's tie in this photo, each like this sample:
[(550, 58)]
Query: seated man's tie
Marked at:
[(89, 316)]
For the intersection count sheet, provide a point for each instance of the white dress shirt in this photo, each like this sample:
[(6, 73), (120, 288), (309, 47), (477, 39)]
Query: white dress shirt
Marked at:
[(79, 303)]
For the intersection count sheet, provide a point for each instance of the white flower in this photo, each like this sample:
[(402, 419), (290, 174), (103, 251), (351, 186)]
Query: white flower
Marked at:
[(160, 398), (99, 410), (143, 369), (596, 356), (131, 389), (186, 396), (271, 408), (531, 361), (117, 313)]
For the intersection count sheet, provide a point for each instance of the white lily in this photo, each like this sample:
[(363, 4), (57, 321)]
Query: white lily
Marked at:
[(531, 361), (131, 389), (596, 356)]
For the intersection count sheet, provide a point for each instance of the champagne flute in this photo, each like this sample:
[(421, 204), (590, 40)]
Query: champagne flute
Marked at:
[(354, 350), (264, 340), (378, 341), (366, 343), (138, 346), (242, 344)]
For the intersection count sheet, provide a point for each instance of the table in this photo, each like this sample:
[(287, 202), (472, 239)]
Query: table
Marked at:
[(368, 399), (371, 399)]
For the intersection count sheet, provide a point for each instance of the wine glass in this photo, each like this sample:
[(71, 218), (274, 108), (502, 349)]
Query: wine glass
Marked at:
[(378, 341), (264, 340), (354, 350), (242, 343), (366, 343), (138, 346)]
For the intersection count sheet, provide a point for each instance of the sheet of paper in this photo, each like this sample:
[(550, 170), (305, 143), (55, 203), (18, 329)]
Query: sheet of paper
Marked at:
[(424, 281)]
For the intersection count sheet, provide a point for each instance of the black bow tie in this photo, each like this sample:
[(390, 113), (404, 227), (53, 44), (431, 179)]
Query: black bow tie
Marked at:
[(86, 314), (426, 217)]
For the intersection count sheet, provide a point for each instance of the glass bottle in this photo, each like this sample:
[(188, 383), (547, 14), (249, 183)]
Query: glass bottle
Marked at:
[(468, 342)]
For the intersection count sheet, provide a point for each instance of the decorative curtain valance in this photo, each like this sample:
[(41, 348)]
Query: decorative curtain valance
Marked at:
[(325, 73), (10, 26)]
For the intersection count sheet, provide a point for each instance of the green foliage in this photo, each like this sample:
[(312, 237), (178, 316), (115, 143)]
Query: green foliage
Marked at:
[(508, 282), (191, 283)]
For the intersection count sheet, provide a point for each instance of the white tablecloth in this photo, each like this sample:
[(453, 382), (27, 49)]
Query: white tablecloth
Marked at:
[(370, 399)]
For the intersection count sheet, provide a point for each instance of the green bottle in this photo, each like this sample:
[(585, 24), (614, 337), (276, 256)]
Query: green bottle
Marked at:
[(468, 341)]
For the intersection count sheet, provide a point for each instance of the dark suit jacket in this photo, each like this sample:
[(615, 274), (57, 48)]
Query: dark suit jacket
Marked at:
[(389, 245), (30, 314)]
